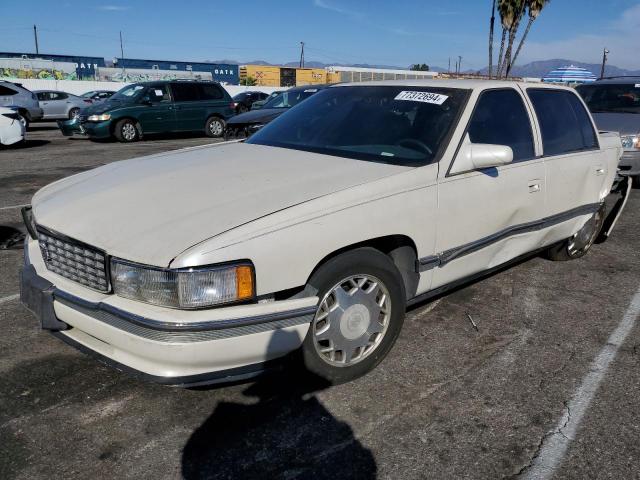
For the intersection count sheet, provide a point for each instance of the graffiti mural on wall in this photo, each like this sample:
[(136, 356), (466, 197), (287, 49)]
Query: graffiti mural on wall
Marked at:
[(37, 73), (145, 75)]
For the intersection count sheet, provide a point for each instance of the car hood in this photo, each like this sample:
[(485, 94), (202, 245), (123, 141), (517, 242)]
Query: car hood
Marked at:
[(151, 209), (263, 115), (105, 106), (624, 123)]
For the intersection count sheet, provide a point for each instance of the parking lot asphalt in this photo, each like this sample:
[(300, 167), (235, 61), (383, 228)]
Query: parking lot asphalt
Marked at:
[(451, 401)]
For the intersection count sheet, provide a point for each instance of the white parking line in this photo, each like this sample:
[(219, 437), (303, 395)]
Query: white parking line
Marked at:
[(555, 444), (11, 207), (9, 298)]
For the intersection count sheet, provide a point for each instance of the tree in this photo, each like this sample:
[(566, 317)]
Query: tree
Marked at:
[(534, 8), (518, 8), (507, 13), (491, 28), (249, 81), (420, 67)]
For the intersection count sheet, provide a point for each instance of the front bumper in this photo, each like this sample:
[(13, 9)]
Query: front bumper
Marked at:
[(14, 133), (173, 353), (630, 163), (91, 129)]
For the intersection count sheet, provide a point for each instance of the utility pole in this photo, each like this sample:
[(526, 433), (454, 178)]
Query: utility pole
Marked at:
[(301, 54), (122, 56), (605, 52), (459, 64), (35, 35)]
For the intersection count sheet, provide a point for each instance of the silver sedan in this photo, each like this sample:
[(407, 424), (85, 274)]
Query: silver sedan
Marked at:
[(60, 105)]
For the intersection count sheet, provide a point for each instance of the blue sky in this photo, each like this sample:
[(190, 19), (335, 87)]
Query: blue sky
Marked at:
[(335, 31)]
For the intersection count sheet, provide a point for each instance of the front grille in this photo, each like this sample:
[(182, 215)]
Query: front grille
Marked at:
[(74, 260)]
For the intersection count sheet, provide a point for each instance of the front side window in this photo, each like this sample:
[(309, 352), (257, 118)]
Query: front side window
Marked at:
[(399, 125), (611, 98), (500, 118), (185, 92), (564, 124), (42, 96)]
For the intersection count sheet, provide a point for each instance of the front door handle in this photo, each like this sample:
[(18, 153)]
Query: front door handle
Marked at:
[(534, 186), (600, 170)]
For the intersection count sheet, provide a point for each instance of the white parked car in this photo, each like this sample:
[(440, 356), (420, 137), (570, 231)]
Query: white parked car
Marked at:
[(206, 264), (12, 130)]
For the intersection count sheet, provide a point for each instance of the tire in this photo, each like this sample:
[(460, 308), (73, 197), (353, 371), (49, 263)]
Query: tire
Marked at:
[(24, 119), (351, 277), (579, 244), (126, 131), (73, 113), (215, 127)]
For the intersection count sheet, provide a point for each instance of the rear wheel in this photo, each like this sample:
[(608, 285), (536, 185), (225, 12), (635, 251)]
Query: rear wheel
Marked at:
[(127, 131), (359, 316), (214, 127), (579, 244), (73, 113)]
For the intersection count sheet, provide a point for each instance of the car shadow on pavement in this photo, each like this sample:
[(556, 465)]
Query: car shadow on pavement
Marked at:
[(26, 144), (285, 433)]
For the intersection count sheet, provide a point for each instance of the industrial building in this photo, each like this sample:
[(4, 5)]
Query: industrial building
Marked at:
[(220, 72), (274, 76), (85, 67)]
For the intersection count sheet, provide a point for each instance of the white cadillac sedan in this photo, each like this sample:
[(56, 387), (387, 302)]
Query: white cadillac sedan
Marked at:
[(210, 263)]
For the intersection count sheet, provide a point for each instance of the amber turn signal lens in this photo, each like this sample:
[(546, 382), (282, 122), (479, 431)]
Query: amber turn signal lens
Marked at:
[(244, 282)]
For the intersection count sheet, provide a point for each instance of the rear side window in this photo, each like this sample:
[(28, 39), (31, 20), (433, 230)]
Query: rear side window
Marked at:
[(500, 118), (210, 92), (564, 123), (185, 92), (6, 91)]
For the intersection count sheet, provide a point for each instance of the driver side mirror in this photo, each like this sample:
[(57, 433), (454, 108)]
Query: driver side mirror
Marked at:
[(476, 156), (146, 100)]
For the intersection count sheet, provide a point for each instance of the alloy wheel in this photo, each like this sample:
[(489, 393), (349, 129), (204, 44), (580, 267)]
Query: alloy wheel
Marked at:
[(351, 320)]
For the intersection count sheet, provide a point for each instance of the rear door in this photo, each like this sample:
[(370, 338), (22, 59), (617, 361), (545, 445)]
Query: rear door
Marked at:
[(575, 166), (487, 217), (189, 110)]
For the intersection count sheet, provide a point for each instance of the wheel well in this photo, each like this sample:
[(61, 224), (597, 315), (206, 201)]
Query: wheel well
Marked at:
[(25, 113), (400, 248)]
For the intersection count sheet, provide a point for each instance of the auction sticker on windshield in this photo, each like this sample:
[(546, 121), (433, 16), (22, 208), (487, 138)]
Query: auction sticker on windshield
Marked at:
[(424, 97)]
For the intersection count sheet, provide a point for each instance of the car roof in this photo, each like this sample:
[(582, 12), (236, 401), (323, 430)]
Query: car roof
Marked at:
[(616, 80), (466, 84)]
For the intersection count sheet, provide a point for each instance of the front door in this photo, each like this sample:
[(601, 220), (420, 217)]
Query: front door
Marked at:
[(156, 112), (486, 217)]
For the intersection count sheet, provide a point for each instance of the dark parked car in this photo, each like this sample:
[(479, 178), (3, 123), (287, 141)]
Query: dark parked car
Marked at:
[(250, 122), (615, 105), (156, 107), (243, 101)]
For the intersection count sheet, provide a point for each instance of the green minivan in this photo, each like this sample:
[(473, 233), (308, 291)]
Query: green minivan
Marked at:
[(155, 107)]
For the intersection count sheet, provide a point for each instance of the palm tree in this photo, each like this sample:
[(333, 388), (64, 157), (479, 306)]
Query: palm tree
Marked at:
[(518, 12), (534, 8), (506, 11), (491, 28)]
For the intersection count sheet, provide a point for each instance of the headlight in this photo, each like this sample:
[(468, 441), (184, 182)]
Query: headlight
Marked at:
[(631, 141), (187, 288), (99, 118), (29, 221)]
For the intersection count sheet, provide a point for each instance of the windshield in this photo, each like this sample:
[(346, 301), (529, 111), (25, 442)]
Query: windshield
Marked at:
[(289, 98), (128, 92), (397, 125), (88, 94), (613, 98), (240, 96)]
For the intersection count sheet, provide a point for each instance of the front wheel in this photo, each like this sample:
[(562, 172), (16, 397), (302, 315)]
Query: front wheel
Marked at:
[(579, 244), (214, 127), (127, 131), (359, 315)]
